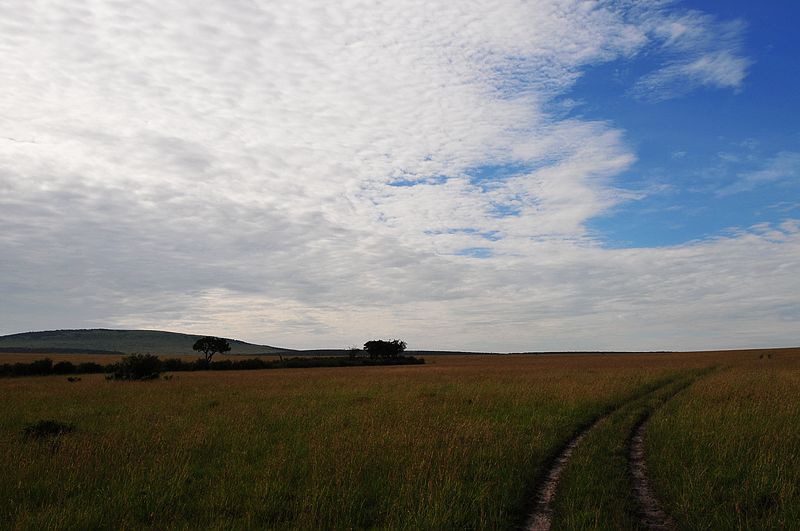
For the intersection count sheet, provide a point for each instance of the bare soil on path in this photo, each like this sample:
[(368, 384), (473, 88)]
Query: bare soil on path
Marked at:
[(541, 519), (651, 513)]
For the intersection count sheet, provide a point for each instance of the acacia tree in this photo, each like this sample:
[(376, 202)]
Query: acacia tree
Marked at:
[(379, 348), (210, 345)]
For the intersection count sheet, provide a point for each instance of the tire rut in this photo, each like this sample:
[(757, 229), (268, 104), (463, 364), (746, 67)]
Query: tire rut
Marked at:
[(651, 514), (541, 517)]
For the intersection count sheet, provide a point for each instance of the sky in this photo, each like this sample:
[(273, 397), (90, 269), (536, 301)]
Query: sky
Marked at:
[(499, 176)]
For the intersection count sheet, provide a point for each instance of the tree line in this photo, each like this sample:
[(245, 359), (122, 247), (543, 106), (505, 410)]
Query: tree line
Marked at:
[(149, 366)]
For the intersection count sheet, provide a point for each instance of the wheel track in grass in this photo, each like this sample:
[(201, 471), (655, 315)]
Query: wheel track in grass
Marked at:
[(541, 517), (651, 514)]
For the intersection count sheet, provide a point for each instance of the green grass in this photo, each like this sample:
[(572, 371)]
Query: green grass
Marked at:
[(456, 444), (595, 489), (726, 453)]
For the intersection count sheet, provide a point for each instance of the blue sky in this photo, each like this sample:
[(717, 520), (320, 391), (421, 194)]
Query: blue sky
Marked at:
[(471, 175), (699, 143)]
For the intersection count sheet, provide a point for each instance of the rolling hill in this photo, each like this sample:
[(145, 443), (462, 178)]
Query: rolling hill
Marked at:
[(101, 340)]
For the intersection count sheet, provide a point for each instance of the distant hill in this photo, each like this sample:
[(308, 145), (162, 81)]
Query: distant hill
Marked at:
[(101, 340)]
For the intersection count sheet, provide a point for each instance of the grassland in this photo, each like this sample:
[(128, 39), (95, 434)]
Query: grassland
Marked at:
[(458, 443), (726, 453), (455, 444), (595, 492)]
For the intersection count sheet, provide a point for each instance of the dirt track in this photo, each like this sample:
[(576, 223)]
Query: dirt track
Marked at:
[(650, 512), (541, 519), (651, 515)]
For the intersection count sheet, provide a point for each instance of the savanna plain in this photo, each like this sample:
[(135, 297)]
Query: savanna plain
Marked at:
[(462, 442)]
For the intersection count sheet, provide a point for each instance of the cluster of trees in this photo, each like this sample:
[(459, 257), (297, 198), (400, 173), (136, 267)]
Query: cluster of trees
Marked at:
[(381, 349)]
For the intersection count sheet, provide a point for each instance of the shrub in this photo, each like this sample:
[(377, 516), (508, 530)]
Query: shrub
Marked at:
[(89, 367), (43, 429), (38, 367), (63, 367), (224, 365), (201, 364), (137, 367), (251, 364), (44, 366), (174, 365)]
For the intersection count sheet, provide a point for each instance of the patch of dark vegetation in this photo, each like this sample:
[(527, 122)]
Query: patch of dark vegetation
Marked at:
[(177, 365), (45, 429), (136, 367), (64, 367), (43, 366), (349, 362), (210, 345), (89, 367), (140, 367), (380, 348)]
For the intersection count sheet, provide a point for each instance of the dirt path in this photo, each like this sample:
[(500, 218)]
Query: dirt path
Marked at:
[(651, 515), (541, 519), (650, 512)]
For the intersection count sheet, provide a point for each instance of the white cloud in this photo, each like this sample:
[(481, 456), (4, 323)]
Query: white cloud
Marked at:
[(783, 167), (738, 291), (701, 52), (226, 167)]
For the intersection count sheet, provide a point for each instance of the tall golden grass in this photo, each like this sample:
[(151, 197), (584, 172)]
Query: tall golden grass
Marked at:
[(457, 443), (726, 453)]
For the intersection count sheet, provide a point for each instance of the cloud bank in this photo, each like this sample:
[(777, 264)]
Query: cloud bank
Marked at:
[(317, 175)]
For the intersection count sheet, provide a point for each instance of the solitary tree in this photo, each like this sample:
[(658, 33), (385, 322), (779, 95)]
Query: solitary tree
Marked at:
[(210, 345), (379, 348)]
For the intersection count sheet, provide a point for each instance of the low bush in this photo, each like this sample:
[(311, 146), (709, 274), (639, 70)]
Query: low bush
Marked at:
[(172, 365), (44, 429), (89, 367), (64, 367), (137, 367)]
